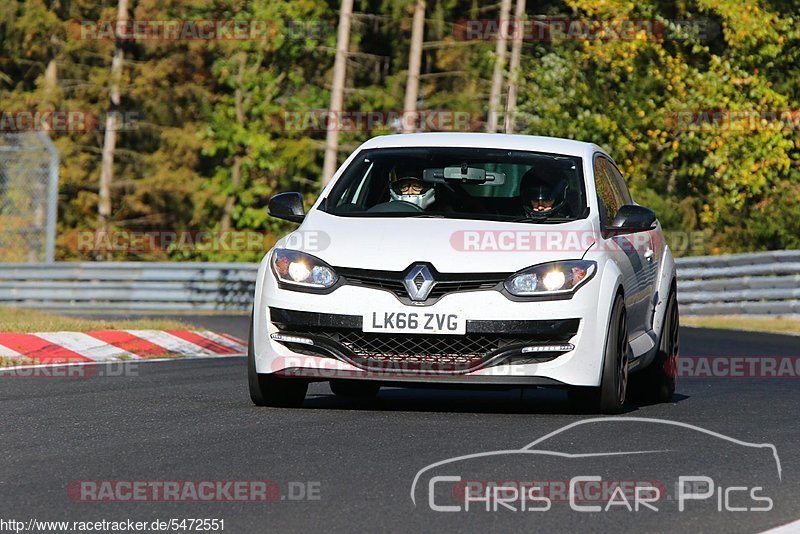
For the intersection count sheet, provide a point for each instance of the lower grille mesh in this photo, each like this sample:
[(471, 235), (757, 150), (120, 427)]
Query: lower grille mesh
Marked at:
[(422, 352), (362, 343), (341, 337)]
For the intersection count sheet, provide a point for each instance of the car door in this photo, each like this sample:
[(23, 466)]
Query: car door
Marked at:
[(621, 247), (644, 244)]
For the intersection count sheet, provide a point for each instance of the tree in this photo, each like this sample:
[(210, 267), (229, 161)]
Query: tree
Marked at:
[(655, 104), (337, 89), (414, 62), (513, 72), (210, 143), (110, 142), (499, 66)]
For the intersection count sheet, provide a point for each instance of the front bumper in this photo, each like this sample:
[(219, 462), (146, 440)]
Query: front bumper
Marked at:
[(485, 344), (319, 336)]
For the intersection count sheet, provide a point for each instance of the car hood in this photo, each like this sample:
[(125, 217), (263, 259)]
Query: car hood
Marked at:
[(450, 245)]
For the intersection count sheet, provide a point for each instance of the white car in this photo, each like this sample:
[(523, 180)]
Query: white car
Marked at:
[(450, 259)]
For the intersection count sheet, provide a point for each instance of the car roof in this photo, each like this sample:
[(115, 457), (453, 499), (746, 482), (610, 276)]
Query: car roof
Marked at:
[(552, 145)]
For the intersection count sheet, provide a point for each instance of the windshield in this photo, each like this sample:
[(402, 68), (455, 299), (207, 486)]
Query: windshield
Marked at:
[(471, 183)]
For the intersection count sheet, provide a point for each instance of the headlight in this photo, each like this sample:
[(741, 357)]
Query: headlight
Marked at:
[(301, 269), (556, 278)]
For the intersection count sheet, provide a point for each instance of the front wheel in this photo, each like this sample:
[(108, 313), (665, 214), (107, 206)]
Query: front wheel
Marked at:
[(610, 396), (272, 390)]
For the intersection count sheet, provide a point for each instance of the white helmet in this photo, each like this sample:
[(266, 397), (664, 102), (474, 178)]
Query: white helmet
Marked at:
[(423, 199)]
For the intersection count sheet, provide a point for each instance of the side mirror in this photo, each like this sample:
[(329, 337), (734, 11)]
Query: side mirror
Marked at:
[(633, 218), (287, 206)]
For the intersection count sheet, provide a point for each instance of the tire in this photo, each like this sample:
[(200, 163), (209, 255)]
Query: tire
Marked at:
[(610, 396), (269, 389), (354, 388), (656, 383)]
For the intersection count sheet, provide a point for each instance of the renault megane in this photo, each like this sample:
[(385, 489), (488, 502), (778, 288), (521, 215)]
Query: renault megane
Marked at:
[(468, 259)]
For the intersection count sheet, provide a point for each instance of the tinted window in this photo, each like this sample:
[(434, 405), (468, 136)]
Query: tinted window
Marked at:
[(608, 199), (618, 182), (492, 192)]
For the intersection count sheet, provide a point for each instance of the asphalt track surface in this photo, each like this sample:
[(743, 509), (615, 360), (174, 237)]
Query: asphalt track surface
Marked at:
[(193, 420)]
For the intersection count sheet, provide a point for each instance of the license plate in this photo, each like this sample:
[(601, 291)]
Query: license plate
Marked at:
[(413, 322)]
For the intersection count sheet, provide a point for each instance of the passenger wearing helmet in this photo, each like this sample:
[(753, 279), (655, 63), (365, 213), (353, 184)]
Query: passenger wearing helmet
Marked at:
[(543, 195), (413, 190)]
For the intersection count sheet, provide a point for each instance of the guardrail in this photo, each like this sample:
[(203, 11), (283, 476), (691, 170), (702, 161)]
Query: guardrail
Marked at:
[(755, 283), (758, 283), (129, 286)]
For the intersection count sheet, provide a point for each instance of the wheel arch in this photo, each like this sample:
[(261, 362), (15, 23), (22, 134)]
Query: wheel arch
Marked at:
[(611, 288), (667, 283), (258, 318)]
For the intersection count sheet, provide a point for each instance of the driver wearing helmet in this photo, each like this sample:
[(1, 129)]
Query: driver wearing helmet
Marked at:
[(412, 189), (544, 195)]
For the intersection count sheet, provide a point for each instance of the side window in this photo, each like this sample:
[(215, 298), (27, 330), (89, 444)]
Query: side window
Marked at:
[(618, 182), (606, 197)]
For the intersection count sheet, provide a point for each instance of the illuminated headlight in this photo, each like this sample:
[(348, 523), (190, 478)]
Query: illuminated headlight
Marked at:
[(556, 278), (301, 269)]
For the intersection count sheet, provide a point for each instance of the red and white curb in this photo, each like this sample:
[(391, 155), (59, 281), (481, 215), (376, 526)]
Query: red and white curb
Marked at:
[(58, 348)]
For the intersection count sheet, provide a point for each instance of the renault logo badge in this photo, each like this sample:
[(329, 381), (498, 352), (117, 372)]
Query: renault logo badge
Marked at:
[(419, 282)]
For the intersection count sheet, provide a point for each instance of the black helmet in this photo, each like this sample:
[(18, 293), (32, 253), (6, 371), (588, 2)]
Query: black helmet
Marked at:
[(542, 194)]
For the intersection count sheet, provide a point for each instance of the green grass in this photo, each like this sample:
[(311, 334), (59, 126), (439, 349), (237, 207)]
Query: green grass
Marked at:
[(777, 324), (24, 320)]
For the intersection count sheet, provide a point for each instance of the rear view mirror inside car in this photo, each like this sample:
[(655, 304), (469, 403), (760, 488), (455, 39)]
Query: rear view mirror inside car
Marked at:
[(464, 174)]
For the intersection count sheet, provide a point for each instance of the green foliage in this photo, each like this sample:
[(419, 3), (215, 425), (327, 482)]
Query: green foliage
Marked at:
[(208, 144), (651, 103)]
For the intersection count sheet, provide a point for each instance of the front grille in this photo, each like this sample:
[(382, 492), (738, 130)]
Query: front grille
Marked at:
[(444, 287), (366, 343), (341, 337), (395, 286), (444, 283), (439, 353)]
